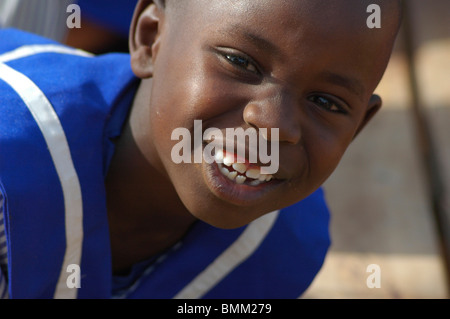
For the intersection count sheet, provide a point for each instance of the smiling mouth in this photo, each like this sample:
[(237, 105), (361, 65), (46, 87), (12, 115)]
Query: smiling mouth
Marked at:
[(240, 173), (240, 184)]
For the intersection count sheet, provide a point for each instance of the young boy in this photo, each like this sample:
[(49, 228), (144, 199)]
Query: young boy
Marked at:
[(94, 204)]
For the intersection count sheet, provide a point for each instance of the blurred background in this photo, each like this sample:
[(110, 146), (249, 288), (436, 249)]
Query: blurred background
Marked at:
[(104, 23), (390, 196)]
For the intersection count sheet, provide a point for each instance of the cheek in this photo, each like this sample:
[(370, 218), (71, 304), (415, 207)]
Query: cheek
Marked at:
[(179, 102), (325, 151)]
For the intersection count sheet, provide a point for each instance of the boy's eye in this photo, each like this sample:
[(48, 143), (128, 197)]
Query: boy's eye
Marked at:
[(327, 104), (241, 62)]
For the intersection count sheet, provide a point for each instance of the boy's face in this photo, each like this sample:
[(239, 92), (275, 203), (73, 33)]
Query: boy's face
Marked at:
[(308, 68)]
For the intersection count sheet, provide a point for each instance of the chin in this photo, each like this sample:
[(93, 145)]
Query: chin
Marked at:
[(225, 216)]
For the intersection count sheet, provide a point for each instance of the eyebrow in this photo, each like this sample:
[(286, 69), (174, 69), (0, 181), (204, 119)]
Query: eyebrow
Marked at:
[(257, 40), (351, 84)]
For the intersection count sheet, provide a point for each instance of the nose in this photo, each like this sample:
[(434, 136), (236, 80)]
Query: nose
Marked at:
[(276, 109)]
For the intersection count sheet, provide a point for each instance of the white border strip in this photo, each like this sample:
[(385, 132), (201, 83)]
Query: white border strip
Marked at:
[(232, 257), (52, 130), (28, 50)]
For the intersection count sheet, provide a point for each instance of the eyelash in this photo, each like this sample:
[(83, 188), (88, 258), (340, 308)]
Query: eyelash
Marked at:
[(242, 62), (321, 100)]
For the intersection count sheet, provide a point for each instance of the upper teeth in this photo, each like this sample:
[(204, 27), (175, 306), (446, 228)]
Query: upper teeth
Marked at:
[(228, 161), (252, 173), (245, 172), (240, 167)]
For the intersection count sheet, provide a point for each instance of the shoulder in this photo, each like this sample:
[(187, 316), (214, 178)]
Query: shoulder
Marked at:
[(58, 69), (55, 97), (77, 85), (81, 92), (13, 38)]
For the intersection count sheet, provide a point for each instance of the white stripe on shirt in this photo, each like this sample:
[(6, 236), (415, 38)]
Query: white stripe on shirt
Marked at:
[(232, 257), (27, 50), (53, 133)]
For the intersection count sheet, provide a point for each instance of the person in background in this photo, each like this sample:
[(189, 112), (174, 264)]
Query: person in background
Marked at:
[(43, 17), (101, 30)]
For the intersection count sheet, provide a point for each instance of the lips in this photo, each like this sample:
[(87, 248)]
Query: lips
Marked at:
[(237, 188), (236, 180), (240, 173)]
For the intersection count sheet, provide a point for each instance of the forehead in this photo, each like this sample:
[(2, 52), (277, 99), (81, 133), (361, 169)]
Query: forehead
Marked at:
[(338, 15), (312, 31)]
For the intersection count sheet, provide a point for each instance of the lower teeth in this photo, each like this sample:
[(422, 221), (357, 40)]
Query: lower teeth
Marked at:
[(239, 179), (255, 183)]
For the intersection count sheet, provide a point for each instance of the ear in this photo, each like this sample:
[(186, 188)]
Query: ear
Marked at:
[(375, 103), (144, 37)]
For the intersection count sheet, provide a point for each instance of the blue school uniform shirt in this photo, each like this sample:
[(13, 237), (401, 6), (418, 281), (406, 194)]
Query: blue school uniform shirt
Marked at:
[(60, 111)]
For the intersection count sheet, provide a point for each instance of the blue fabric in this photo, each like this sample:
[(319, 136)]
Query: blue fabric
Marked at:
[(92, 97), (282, 267), (25, 181), (85, 93), (301, 224)]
